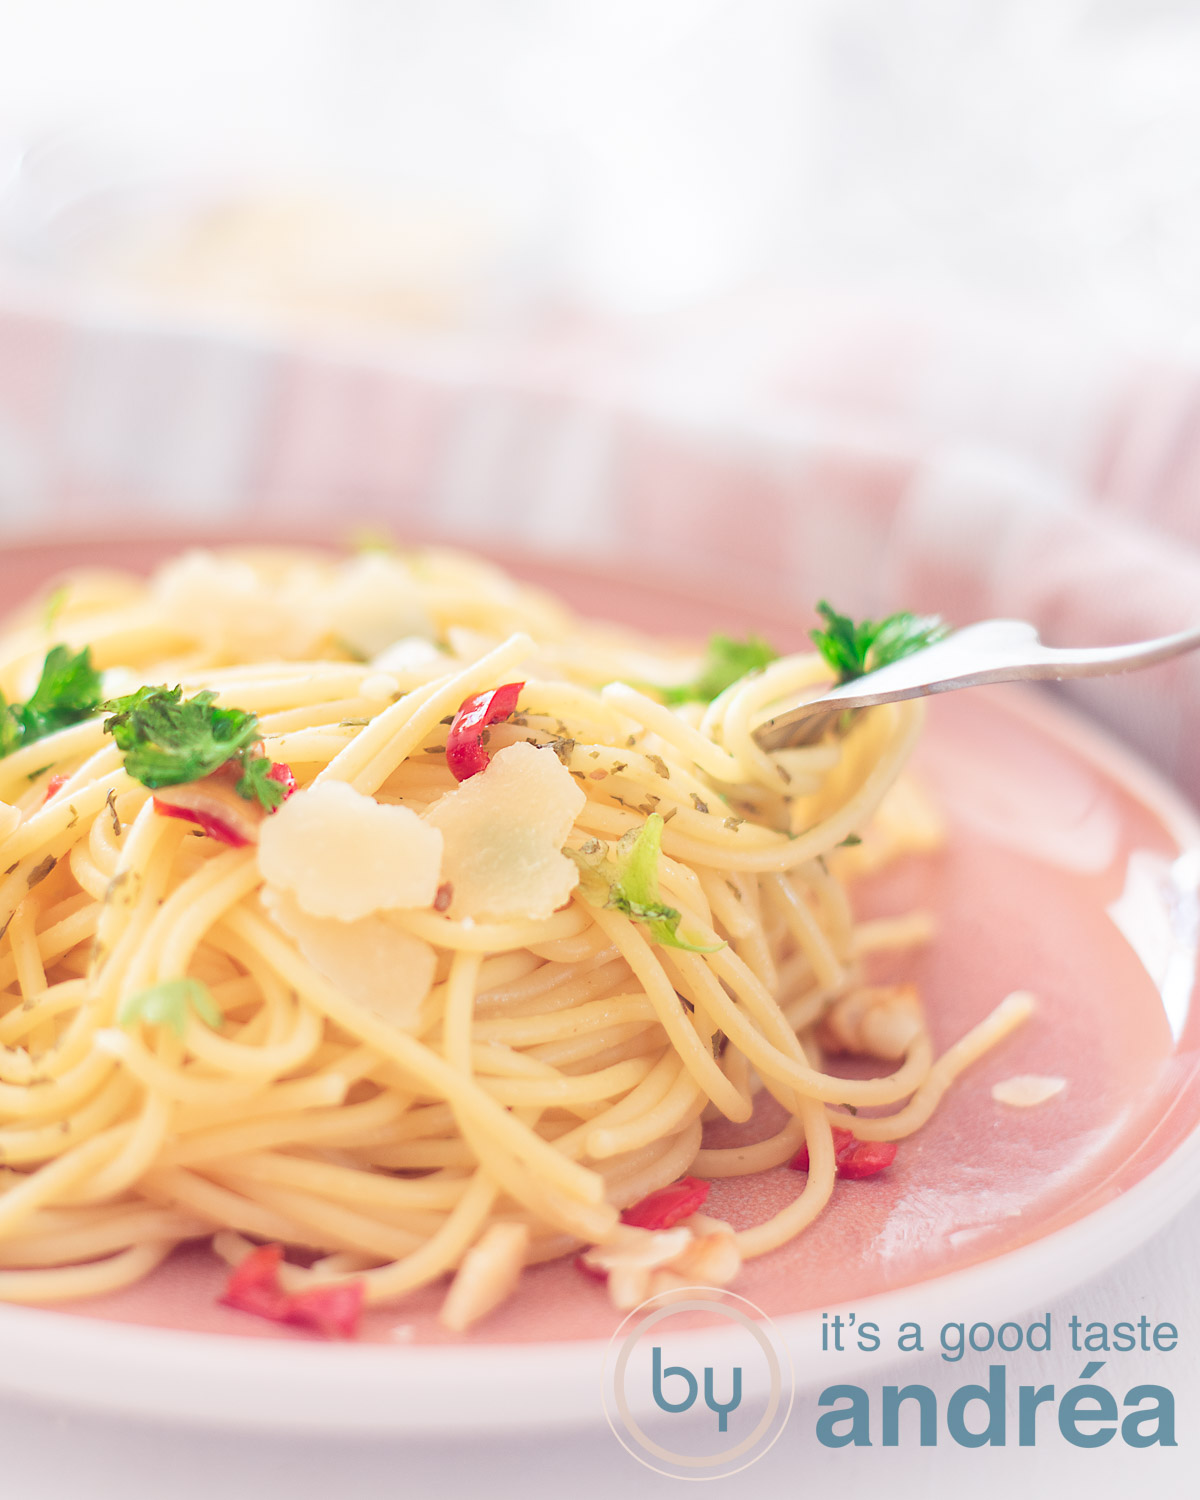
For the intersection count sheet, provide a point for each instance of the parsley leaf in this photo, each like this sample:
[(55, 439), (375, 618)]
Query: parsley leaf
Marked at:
[(626, 880), (169, 739), (257, 784), (852, 650), (166, 1004), (727, 660), (68, 692)]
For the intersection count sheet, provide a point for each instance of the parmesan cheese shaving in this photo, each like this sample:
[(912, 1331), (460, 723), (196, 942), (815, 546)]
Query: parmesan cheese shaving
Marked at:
[(504, 830), (371, 960), (345, 855)]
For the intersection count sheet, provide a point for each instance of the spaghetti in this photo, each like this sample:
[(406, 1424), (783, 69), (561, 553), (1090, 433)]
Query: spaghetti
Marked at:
[(413, 1025)]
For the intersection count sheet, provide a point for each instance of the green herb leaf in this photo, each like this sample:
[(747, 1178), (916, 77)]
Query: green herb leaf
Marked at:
[(68, 692), (166, 1004), (169, 739), (727, 660), (625, 879), (853, 650), (256, 784)]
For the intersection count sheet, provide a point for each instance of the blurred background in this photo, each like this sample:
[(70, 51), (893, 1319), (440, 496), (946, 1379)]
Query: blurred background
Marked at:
[(894, 300)]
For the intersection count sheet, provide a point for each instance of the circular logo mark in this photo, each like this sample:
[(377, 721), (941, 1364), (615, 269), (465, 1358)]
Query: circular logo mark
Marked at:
[(697, 1383)]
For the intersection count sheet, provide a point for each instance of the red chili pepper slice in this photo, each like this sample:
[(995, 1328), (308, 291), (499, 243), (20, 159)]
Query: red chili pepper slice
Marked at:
[(865, 1159), (282, 773), (855, 1159), (216, 828), (332, 1311), (253, 1287), (55, 784), (465, 754), (213, 803), (664, 1208)]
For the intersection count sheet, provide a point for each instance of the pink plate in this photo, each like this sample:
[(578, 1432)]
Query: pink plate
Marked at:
[(1069, 870)]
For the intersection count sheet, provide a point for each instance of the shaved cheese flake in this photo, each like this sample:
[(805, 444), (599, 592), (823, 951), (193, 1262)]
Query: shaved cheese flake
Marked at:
[(504, 832), (238, 613), (344, 855), (374, 601), (371, 961), (489, 1273), (1027, 1089)]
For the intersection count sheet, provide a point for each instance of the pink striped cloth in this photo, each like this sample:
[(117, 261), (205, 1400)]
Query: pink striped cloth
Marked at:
[(931, 458)]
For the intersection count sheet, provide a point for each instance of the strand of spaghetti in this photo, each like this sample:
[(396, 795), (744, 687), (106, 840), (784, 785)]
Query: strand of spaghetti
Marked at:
[(79, 742), (682, 1103), (787, 854), (40, 1143), (54, 827), (68, 1283), (424, 1066), (661, 994), (186, 1085), (908, 931), (55, 940), (568, 1215), (27, 960), (239, 875), (221, 1206), (816, 1193), (587, 1016), (58, 1096), (51, 1182), (258, 1062), (835, 906), (490, 937), (1012, 1012), (342, 1126), (724, 897), (315, 1092), (738, 1161), (118, 1231), (563, 1093), (134, 1157), (691, 744), (671, 1162), (568, 1054), (368, 760), (348, 1185), (498, 1061), (787, 1070), (337, 1226), (806, 931), (736, 713), (441, 1252)]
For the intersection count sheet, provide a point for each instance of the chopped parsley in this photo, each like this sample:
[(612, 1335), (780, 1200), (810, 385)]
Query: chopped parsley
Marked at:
[(257, 784), (625, 878), (68, 692), (167, 1004), (725, 662), (169, 739), (853, 650)]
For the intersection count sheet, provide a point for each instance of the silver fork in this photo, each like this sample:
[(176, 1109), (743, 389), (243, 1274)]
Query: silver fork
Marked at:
[(991, 651)]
